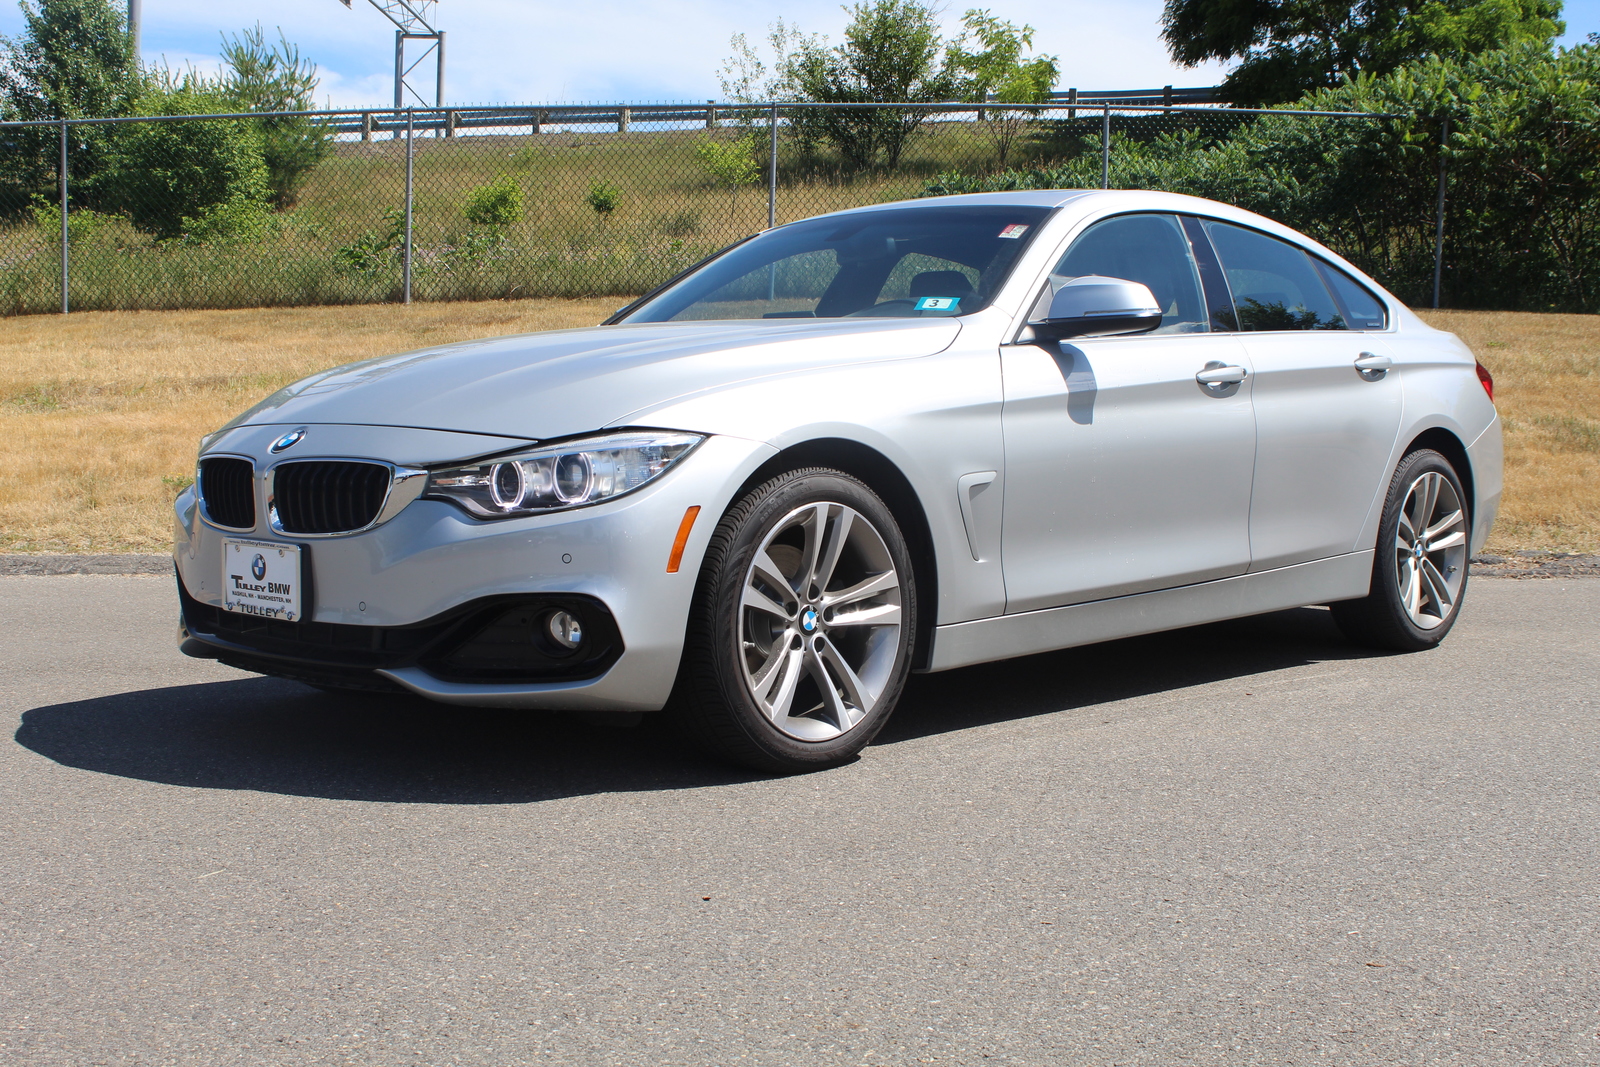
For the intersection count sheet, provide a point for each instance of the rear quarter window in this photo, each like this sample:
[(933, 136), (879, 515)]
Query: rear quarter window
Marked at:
[(1364, 311)]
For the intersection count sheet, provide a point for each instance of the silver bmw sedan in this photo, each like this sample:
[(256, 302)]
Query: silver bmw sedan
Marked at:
[(914, 436)]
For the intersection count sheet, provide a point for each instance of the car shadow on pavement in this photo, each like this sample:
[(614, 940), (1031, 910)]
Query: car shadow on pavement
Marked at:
[(280, 737)]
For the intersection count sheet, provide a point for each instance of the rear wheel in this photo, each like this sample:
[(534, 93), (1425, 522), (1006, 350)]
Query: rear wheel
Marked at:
[(1419, 573), (800, 638)]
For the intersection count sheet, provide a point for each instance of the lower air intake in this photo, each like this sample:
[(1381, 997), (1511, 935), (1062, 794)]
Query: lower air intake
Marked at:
[(328, 496)]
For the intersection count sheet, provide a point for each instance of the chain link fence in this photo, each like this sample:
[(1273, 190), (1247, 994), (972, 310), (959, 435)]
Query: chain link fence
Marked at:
[(487, 203)]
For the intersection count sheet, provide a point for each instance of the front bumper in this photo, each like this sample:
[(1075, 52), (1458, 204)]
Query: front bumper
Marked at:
[(383, 602)]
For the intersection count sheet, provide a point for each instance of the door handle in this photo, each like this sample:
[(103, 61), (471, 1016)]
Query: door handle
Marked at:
[(1372, 367), (1218, 376)]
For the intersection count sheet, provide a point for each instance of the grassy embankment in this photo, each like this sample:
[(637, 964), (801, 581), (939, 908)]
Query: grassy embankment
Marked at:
[(100, 412), (668, 214)]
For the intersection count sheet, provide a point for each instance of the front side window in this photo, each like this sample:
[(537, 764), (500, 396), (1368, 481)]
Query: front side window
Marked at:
[(1275, 285), (916, 262), (1151, 249)]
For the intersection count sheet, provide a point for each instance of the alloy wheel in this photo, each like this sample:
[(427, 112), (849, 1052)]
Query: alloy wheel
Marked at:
[(819, 621), (1430, 551)]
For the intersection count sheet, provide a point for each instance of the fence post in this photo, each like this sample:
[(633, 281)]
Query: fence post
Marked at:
[(66, 299), (1438, 227), (624, 119), (711, 114), (772, 169), (405, 254), (1072, 99), (1105, 149)]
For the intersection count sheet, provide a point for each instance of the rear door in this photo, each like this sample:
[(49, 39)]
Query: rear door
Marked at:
[(1327, 408)]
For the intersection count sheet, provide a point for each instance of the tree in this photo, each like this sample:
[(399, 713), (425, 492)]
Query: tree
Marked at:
[(73, 60), (258, 76), (1292, 47), (892, 52), (1000, 73), (729, 164), (275, 78)]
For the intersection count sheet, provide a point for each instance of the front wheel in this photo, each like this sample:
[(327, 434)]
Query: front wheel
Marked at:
[(800, 637), (1419, 573)]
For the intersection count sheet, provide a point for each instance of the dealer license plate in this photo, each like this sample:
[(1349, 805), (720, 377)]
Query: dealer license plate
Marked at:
[(261, 578)]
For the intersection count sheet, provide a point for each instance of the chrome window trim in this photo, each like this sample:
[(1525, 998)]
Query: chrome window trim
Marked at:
[(405, 485), (200, 493)]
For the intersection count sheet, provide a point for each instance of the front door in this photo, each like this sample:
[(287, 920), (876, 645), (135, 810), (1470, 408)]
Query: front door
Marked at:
[(1123, 472)]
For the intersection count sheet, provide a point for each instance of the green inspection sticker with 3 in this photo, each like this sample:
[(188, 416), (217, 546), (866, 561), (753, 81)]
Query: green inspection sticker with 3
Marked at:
[(261, 578)]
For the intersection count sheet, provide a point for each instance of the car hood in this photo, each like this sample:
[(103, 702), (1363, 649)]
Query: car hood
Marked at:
[(572, 381)]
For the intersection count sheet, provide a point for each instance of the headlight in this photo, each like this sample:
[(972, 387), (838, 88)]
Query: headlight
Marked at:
[(567, 475)]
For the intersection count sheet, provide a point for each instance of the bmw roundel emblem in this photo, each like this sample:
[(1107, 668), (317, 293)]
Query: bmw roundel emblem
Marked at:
[(258, 566), (288, 440)]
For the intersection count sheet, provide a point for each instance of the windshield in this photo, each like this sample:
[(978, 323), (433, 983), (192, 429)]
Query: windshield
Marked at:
[(896, 263)]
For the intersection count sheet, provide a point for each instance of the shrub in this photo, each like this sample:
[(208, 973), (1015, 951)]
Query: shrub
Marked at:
[(603, 197), (234, 220), (81, 224), (496, 204), (164, 173)]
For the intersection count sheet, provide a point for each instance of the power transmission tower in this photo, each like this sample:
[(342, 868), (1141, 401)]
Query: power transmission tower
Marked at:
[(414, 20)]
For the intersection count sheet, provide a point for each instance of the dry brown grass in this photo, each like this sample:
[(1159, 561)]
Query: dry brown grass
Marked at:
[(100, 412), (1547, 385)]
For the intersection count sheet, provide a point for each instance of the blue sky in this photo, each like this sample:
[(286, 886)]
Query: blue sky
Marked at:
[(515, 51)]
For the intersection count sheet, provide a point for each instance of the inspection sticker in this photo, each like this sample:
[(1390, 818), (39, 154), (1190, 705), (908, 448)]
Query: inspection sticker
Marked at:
[(1015, 230), (261, 578), (937, 303)]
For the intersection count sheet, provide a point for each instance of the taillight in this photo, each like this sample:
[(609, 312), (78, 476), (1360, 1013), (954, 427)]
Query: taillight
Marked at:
[(1487, 379)]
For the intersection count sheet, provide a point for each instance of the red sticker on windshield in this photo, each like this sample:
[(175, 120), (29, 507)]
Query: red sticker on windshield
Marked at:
[(1015, 230)]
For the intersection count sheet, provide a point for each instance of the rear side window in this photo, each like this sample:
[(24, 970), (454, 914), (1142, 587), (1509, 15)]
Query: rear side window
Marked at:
[(1363, 310), (1275, 285)]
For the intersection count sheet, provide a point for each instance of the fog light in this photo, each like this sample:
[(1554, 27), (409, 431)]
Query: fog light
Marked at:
[(564, 629)]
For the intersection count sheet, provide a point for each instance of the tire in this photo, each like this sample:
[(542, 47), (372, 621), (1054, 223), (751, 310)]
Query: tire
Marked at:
[(1419, 572), (800, 636)]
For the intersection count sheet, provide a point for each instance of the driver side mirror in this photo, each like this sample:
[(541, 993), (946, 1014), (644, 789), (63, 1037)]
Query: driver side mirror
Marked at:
[(1094, 306)]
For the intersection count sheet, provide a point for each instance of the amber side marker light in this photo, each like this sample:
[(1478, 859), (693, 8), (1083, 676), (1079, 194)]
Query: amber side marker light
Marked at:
[(682, 539), (1486, 379)]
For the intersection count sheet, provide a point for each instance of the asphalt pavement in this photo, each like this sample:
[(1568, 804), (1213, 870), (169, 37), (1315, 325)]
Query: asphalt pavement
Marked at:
[(1247, 843)]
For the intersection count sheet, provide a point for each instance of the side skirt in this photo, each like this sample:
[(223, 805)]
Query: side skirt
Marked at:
[(1003, 637)]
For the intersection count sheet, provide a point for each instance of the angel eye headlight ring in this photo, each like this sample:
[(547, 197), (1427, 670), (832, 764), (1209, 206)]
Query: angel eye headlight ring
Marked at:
[(570, 474)]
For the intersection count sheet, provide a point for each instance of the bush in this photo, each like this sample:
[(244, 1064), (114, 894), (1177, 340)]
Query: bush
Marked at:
[(232, 220), (81, 225), (496, 204), (603, 197), (167, 176)]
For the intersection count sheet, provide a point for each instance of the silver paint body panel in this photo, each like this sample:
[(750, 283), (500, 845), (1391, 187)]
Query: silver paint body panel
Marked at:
[(1066, 502)]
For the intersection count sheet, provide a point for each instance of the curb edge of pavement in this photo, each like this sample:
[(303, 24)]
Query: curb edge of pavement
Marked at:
[(44, 564)]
